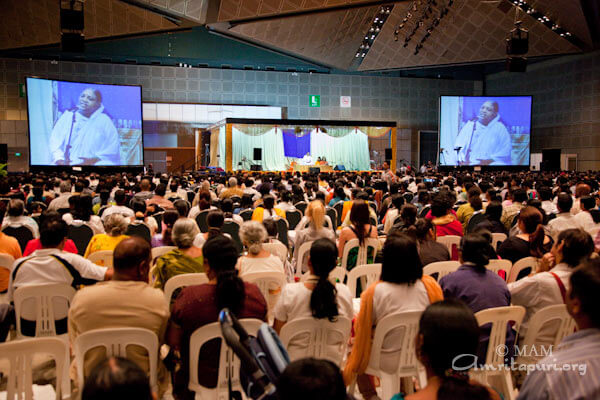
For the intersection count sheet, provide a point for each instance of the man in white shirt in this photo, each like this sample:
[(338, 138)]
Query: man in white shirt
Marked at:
[(120, 207), (307, 159), (564, 220), (584, 218), (62, 201), (543, 289)]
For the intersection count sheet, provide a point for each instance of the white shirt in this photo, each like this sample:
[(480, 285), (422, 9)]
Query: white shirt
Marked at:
[(248, 265), (390, 298), (484, 142), (42, 267), (584, 220), (22, 220), (62, 201), (95, 222), (562, 222), (123, 210), (549, 207), (390, 216), (539, 291), (294, 303), (307, 159), (285, 207)]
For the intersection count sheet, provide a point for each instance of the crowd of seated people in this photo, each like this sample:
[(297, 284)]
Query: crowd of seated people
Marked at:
[(552, 217)]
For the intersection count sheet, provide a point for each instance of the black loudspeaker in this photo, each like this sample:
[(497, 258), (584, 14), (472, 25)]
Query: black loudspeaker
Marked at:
[(257, 154), (314, 170), (255, 168), (72, 42), (388, 154), (3, 153), (516, 64), (550, 160)]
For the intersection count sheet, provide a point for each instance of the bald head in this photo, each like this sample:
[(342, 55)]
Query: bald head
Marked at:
[(130, 254), (145, 185)]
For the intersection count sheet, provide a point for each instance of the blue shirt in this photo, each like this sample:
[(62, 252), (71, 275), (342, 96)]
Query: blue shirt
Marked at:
[(479, 291), (554, 380)]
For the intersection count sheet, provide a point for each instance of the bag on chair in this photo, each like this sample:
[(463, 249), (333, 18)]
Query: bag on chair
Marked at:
[(262, 358)]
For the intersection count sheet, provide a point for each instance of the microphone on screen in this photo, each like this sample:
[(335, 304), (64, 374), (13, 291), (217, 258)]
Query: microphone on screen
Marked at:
[(457, 148)]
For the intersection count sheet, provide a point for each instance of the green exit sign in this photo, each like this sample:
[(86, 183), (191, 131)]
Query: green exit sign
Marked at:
[(314, 100)]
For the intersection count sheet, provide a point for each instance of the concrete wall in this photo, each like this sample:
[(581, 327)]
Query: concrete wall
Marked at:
[(566, 104), (412, 102)]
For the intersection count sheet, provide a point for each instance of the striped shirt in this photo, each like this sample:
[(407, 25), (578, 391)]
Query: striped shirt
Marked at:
[(571, 372)]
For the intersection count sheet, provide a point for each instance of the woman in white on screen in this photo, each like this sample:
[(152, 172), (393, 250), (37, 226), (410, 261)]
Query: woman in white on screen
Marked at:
[(484, 140), (85, 135)]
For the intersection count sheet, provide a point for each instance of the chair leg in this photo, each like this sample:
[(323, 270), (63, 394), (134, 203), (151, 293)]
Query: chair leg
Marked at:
[(390, 385)]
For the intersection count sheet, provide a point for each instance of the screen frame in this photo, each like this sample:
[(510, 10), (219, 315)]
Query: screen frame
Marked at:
[(61, 167), (508, 166)]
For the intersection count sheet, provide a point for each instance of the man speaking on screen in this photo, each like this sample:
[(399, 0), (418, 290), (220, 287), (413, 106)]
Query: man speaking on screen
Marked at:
[(85, 135), (484, 140)]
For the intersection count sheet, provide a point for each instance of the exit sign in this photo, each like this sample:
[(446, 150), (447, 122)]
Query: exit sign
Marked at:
[(314, 100)]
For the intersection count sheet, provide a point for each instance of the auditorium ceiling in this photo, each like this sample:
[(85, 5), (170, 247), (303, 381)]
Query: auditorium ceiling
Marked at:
[(328, 32)]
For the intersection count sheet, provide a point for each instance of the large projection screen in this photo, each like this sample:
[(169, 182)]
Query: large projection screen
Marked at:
[(481, 131), (76, 123)]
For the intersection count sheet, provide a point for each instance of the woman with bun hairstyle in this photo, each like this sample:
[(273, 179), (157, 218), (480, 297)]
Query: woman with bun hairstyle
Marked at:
[(447, 330), (477, 286)]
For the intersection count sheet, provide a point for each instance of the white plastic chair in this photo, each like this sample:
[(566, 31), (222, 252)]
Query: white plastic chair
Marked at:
[(368, 274), (500, 265), (229, 364), (36, 302), (499, 317), (106, 256), (116, 341), (338, 274), (161, 250), (441, 268), (278, 249), (270, 284), (520, 265), (408, 365), (555, 314), (183, 280), (6, 262), (302, 259), (326, 339), (450, 241), (373, 243), (497, 238), (20, 354)]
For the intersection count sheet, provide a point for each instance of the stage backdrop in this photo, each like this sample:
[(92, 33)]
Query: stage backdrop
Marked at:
[(348, 146)]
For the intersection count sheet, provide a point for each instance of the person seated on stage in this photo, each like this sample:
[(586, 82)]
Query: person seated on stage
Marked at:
[(324, 161), (319, 161), (307, 159)]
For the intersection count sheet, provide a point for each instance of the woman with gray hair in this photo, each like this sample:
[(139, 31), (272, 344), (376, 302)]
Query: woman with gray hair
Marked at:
[(115, 226), (15, 216), (253, 234), (185, 259)]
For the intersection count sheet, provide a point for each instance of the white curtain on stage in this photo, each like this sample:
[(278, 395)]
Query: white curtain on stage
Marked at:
[(350, 150)]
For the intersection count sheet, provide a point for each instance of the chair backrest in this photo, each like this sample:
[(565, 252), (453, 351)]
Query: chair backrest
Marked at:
[(233, 229), (302, 260), (228, 362), (277, 249), (183, 280), (282, 231), (81, 236), (159, 217), (521, 265), (320, 333), (373, 205), (301, 205), (369, 243), (407, 321), (140, 230), (424, 211), (293, 217), (161, 250), (116, 341), (500, 265), (452, 243), (497, 239), (499, 317), (333, 216), (408, 196), (6, 262), (339, 208), (550, 314), (102, 209), (246, 214), (20, 355), (102, 257), (337, 274), (21, 233), (475, 219), (266, 281), (201, 221), (42, 296), (371, 273), (441, 268)]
